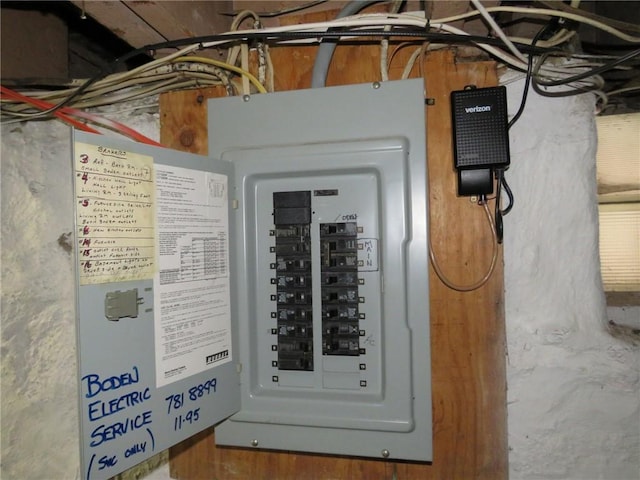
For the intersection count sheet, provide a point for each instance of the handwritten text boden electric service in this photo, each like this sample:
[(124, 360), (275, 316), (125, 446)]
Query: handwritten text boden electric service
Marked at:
[(100, 408)]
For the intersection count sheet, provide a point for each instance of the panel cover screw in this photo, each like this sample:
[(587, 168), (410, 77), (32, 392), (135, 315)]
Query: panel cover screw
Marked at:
[(376, 85), (385, 453), (246, 98), (254, 443)]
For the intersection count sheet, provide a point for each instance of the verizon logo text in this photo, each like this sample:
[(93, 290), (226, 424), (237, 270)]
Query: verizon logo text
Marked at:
[(478, 108)]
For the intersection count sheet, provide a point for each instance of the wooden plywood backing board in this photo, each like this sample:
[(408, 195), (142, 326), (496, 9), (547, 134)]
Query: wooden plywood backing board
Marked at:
[(467, 329)]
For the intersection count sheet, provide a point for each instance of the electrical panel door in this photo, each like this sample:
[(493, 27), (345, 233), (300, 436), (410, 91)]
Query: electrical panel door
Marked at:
[(156, 351), (332, 267)]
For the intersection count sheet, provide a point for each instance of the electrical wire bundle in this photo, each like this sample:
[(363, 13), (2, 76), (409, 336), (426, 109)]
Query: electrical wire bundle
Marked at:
[(183, 69), (550, 62), (174, 72)]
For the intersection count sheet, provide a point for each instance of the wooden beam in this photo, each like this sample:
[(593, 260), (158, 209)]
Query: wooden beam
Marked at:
[(118, 18), (182, 19), (141, 23), (467, 329), (34, 44)]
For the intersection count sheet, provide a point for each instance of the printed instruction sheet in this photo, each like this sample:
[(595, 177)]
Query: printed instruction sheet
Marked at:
[(191, 287)]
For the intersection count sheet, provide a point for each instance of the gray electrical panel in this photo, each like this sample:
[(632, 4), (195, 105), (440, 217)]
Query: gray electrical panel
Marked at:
[(332, 269), (281, 285)]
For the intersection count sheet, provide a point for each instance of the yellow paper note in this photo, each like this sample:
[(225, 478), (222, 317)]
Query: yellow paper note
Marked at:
[(115, 214)]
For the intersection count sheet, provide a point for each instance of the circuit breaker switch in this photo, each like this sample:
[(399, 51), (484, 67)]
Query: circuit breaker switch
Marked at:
[(292, 216), (292, 199)]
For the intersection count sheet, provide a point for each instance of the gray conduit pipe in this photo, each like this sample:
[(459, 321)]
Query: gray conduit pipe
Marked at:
[(326, 49)]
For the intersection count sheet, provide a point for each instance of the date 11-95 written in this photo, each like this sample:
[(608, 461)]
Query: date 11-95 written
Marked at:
[(177, 403)]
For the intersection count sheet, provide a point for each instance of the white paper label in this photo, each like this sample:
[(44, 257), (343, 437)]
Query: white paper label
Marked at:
[(191, 287)]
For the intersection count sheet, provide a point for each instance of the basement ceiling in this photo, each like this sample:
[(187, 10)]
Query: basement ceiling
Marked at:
[(108, 29), (141, 23)]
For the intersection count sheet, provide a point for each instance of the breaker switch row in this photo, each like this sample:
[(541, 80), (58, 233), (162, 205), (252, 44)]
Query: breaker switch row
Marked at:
[(339, 289), (293, 297)]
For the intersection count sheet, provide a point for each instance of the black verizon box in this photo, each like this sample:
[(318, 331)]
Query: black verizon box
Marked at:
[(480, 133)]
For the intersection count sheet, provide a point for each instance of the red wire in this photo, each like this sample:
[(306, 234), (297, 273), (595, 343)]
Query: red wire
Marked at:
[(64, 112), (115, 126), (44, 105)]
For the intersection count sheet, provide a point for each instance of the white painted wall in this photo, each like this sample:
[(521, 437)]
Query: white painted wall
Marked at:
[(39, 381), (573, 388)]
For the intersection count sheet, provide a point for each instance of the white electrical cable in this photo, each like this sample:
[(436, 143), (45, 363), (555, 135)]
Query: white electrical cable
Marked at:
[(412, 60), (234, 52), (117, 78), (554, 40), (147, 66), (506, 58), (165, 78), (546, 12), (562, 37), (496, 28), (623, 90), (384, 45), (372, 20), (321, 27)]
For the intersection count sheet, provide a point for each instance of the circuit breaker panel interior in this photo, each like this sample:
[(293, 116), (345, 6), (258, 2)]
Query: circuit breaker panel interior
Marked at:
[(319, 289)]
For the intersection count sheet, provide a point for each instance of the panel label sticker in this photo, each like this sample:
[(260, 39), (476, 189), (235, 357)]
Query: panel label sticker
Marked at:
[(192, 289), (114, 214)]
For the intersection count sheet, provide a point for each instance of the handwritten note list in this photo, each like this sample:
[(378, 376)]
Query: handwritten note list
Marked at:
[(115, 214)]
